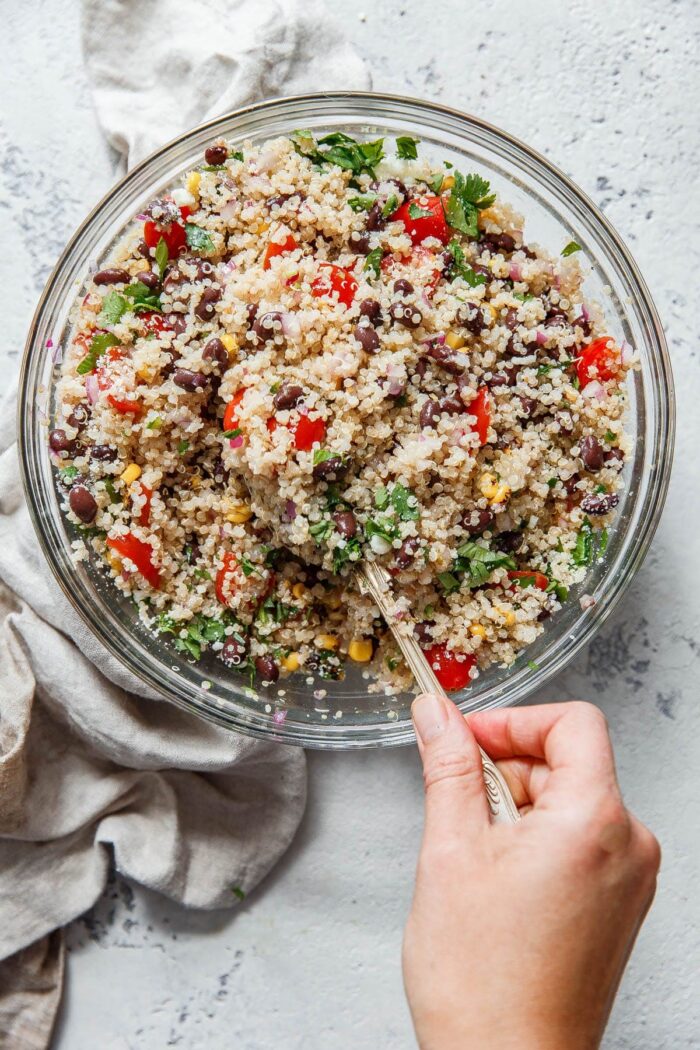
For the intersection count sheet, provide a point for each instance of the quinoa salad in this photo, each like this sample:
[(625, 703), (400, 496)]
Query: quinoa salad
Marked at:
[(314, 351)]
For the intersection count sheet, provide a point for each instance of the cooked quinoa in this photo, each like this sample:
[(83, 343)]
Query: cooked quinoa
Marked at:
[(314, 352)]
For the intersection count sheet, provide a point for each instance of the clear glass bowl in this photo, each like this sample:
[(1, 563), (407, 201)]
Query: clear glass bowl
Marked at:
[(346, 715)]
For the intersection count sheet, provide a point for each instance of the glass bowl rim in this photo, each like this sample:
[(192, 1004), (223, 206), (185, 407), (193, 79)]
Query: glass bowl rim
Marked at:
[(389, 733)]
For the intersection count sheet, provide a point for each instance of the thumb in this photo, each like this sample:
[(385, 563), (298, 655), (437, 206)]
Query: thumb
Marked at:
[(455, 797)]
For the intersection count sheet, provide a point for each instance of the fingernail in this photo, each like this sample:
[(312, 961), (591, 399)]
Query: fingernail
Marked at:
[(429, 716)]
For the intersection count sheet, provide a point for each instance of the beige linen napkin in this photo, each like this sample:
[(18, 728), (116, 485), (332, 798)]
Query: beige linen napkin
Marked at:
[(94, 768)]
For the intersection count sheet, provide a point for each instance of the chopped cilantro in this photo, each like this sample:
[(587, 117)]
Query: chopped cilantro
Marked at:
[(383, 526), (321, 530), (583, 550), (406, 148), (381, 498), (435, 181), (525, 581), (416, 212), (349, 551), (533, 666), (213, 167), (461, 268), (600, 489), (274, 387), (247, 566), (610, 437), (236, 155), (198, 239), (114, 306), (194, 635), (373, 261), (68, 474), (570, 248), (392, 663), (551, 482), (201, 574), (231, 433), (99, 344), (154, 424), (114, 497), (390, 206), (142, 297), (603, 541), (162, 255), (467, 198), (477, 563), (321, 455), (449, 582), (182, 447), (404, 503), (554, 587), (334, 499), (362, 203), (524, 297), (341, 150)]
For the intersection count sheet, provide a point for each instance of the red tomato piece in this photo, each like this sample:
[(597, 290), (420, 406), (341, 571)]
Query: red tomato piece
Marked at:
[(224, 584), (451, 672), (271, 425), (230, 417), (103, 371), (127, 406), (138, 552), (335, 280), (481, 408), (599, 360), (155, 322), (144, 517), (274, 249), (430, 224), (307, 432), (535, 579), (174, 234)]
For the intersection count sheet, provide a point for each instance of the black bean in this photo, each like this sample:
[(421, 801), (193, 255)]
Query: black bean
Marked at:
[(371, 309), (406, 314), (216, 155), (176, 321), (359, 242), (511, 319), (615, 458), (403, 287), (420, 367), (476, 521), (508, 377), (149, 278), (82, 503), (451, 404), (267, 668), (345, 523), (60, 442), (527, 406), (283, 198), (205, 309), (188, 380), (423, 632), (571, 483), (234, 651), (328, 468), (103, 453), (509, 542), (79, 417), (505, 242), (591, 452), (555, 316), (367, 338), (399, 389), (143, 250), (595, 503), (375, 220), (430, 413), (219, 472), (449, 360), (448, 261), (528, 252), (169, 367), (497, 242), (164, 211), (583, 324), (469, 316), (216, 352), (115, 276), (543, 614), (268, 326), (172, 279), (407, 552), (288, 396)]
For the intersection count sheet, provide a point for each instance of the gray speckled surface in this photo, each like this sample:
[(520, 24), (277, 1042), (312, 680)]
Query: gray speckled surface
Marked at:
[(609, 92)]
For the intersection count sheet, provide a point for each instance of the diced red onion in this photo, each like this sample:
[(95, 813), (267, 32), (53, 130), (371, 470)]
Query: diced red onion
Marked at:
[(594, 391), (541, 337), (587, 601), (397, 383), (626, 353), (236, 442), (425, 298), (438, 339), (279, 717), (585, 312), (92, 388), (230, 211), (457, 435), (141, 217), (290, 325), (229, 266), (290, 510), (514, 272)]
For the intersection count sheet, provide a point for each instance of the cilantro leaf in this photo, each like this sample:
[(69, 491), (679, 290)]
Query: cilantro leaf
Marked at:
[(390, 206), (236, 155), (349, 551), (114, 306), (583, 550), (362, 203), (114, 496), (321, 455), (460, 268), (416, 212), (182, 447), (68, 474), (99, 344), (162, 255), (435, 181), (406, 148), (523, 297), (381, 498), (198, 239), (154, 424), (404, 503), (570, 248), (142, 297), (342, 150), (373, 261), (467, 198), (475, 563), (321, 530)]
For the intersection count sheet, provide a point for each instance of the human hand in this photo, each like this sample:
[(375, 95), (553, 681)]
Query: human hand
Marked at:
[(518, 934)]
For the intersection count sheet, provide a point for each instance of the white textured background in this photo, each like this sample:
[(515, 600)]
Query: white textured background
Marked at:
[(610, 92)]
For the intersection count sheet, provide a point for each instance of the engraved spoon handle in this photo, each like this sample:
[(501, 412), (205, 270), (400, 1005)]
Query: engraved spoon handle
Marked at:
[(375, 581)]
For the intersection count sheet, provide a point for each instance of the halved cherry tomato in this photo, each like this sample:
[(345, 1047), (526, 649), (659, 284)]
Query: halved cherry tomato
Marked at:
[(430, 224), (335, 280), (481, 408), (534, 579), (274, 249), (599, 360), (155, 322), (224, 578), (307, 432), (127, 406), (174, 234), (140, 553), (452, 670), (144, 517), (230, 417), (271, 425), (103, 372), (416, 258)]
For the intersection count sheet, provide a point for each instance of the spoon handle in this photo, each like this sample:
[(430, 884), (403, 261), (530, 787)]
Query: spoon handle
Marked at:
[(374, 581)]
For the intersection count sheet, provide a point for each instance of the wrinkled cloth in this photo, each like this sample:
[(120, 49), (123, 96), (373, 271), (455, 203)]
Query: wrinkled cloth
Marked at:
[(95, 768)]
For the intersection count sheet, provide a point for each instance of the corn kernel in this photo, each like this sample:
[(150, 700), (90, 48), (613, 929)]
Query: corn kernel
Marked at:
[(114, 562), (478, 630), (333, 599), (147, 373), (132, 472), (507, 614), (487, 215), (291, 662), (360, 650), (239, 515), (326, 641), (263, 227), (500, 495), (195, 481), (230, 344), (448, 182), (488, 485), (193, 181), (299, 590), (454, 340)]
